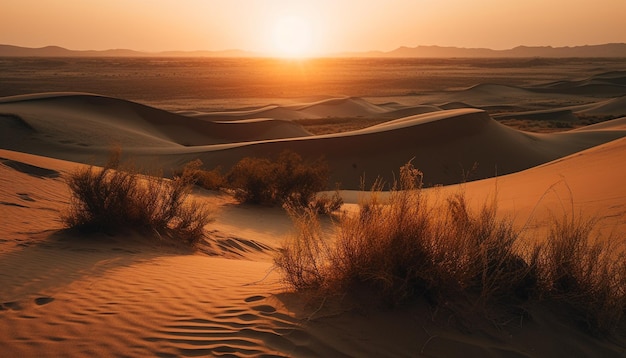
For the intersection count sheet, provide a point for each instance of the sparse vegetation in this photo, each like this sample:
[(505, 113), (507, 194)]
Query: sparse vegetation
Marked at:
[(207, 179), (584, 272), (338, 124), (287, 180), (453, 256), (274, 182), (549, 126), (112, 198), (326, 205)]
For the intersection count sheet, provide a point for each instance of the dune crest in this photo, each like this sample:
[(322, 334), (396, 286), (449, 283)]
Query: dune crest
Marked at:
[(449, 146)]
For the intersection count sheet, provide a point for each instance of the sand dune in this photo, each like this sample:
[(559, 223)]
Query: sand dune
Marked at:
[(489, 94), (455, 105), (611, 107), (519, 98), (614, 107), (63, 294), (589, 179), (349, 107), (69, 117), (603, 84), (123, 295), (342, 107), (615, 124), (445, 144), (273, 111), (561, 115)]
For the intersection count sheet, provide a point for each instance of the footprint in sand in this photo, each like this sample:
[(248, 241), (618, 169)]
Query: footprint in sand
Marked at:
[(264, 309), (25, 197), (30, 169), (260, 308), (13, 305), (40, 301), (254, 298)]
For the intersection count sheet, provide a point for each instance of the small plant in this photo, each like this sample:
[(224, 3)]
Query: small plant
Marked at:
[(585, 273), (305, 257), (326, 205), (109, 199), (207, 179), (286, 179)]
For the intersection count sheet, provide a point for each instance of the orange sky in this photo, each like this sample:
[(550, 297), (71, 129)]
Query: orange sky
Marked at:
[(330, 25)]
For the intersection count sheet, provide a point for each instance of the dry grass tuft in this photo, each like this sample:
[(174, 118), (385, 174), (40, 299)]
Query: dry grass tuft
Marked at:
[(207, 179), (584, 272), (324, 204), (111, 198), (455, 256), (306, 256)]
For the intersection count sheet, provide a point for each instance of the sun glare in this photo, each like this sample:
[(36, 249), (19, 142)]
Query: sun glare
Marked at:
[(292, 37)]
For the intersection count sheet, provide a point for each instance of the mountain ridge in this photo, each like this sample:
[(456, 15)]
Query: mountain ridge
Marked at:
[(609, 50)]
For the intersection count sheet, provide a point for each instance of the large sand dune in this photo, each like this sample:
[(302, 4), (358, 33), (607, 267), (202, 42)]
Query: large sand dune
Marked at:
[(447, 145)]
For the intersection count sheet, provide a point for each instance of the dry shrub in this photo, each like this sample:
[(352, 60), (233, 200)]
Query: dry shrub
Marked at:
[(585, 272), (385, 245), (326, 205), (407, 247), (304, 258), (110, 199), (395, 251), (287, 179), (477, 251), (207, 179)]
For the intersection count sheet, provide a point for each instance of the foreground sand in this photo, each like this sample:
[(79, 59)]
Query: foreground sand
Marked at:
[(124, 296)]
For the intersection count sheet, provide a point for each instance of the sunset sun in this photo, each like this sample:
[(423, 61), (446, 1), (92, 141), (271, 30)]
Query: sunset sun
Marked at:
[(292, 37)]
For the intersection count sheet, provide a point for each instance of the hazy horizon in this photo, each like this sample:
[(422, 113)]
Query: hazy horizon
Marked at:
[(289, 28), (331, 53)]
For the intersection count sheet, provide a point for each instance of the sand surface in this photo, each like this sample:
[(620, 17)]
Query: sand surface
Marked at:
[(125, 296), (63, 294)]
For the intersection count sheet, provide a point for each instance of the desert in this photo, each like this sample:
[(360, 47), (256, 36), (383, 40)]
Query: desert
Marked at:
[(538, 139)]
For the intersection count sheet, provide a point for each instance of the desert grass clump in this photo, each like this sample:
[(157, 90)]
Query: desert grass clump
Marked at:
[(324, 204), (110, 199), (405, 247), (584, 272), (208, 179), (288, 178), (456, 255), (476, 255), (409, 247), (305, 257), (384, 248)]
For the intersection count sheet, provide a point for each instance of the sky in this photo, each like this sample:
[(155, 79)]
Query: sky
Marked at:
[(309, 27)]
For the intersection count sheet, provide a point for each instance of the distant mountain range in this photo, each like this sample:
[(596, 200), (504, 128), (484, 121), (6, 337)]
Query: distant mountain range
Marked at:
[(56, 51), (605, 50)]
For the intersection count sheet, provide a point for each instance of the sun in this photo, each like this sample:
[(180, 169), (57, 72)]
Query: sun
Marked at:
[(292, 37)]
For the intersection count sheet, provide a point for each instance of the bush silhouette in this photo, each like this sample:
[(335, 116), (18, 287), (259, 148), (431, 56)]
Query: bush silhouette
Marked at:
[(207, 179), (287, 179)]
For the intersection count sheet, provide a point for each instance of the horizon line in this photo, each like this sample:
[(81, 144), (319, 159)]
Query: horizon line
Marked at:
[(347, 53)]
